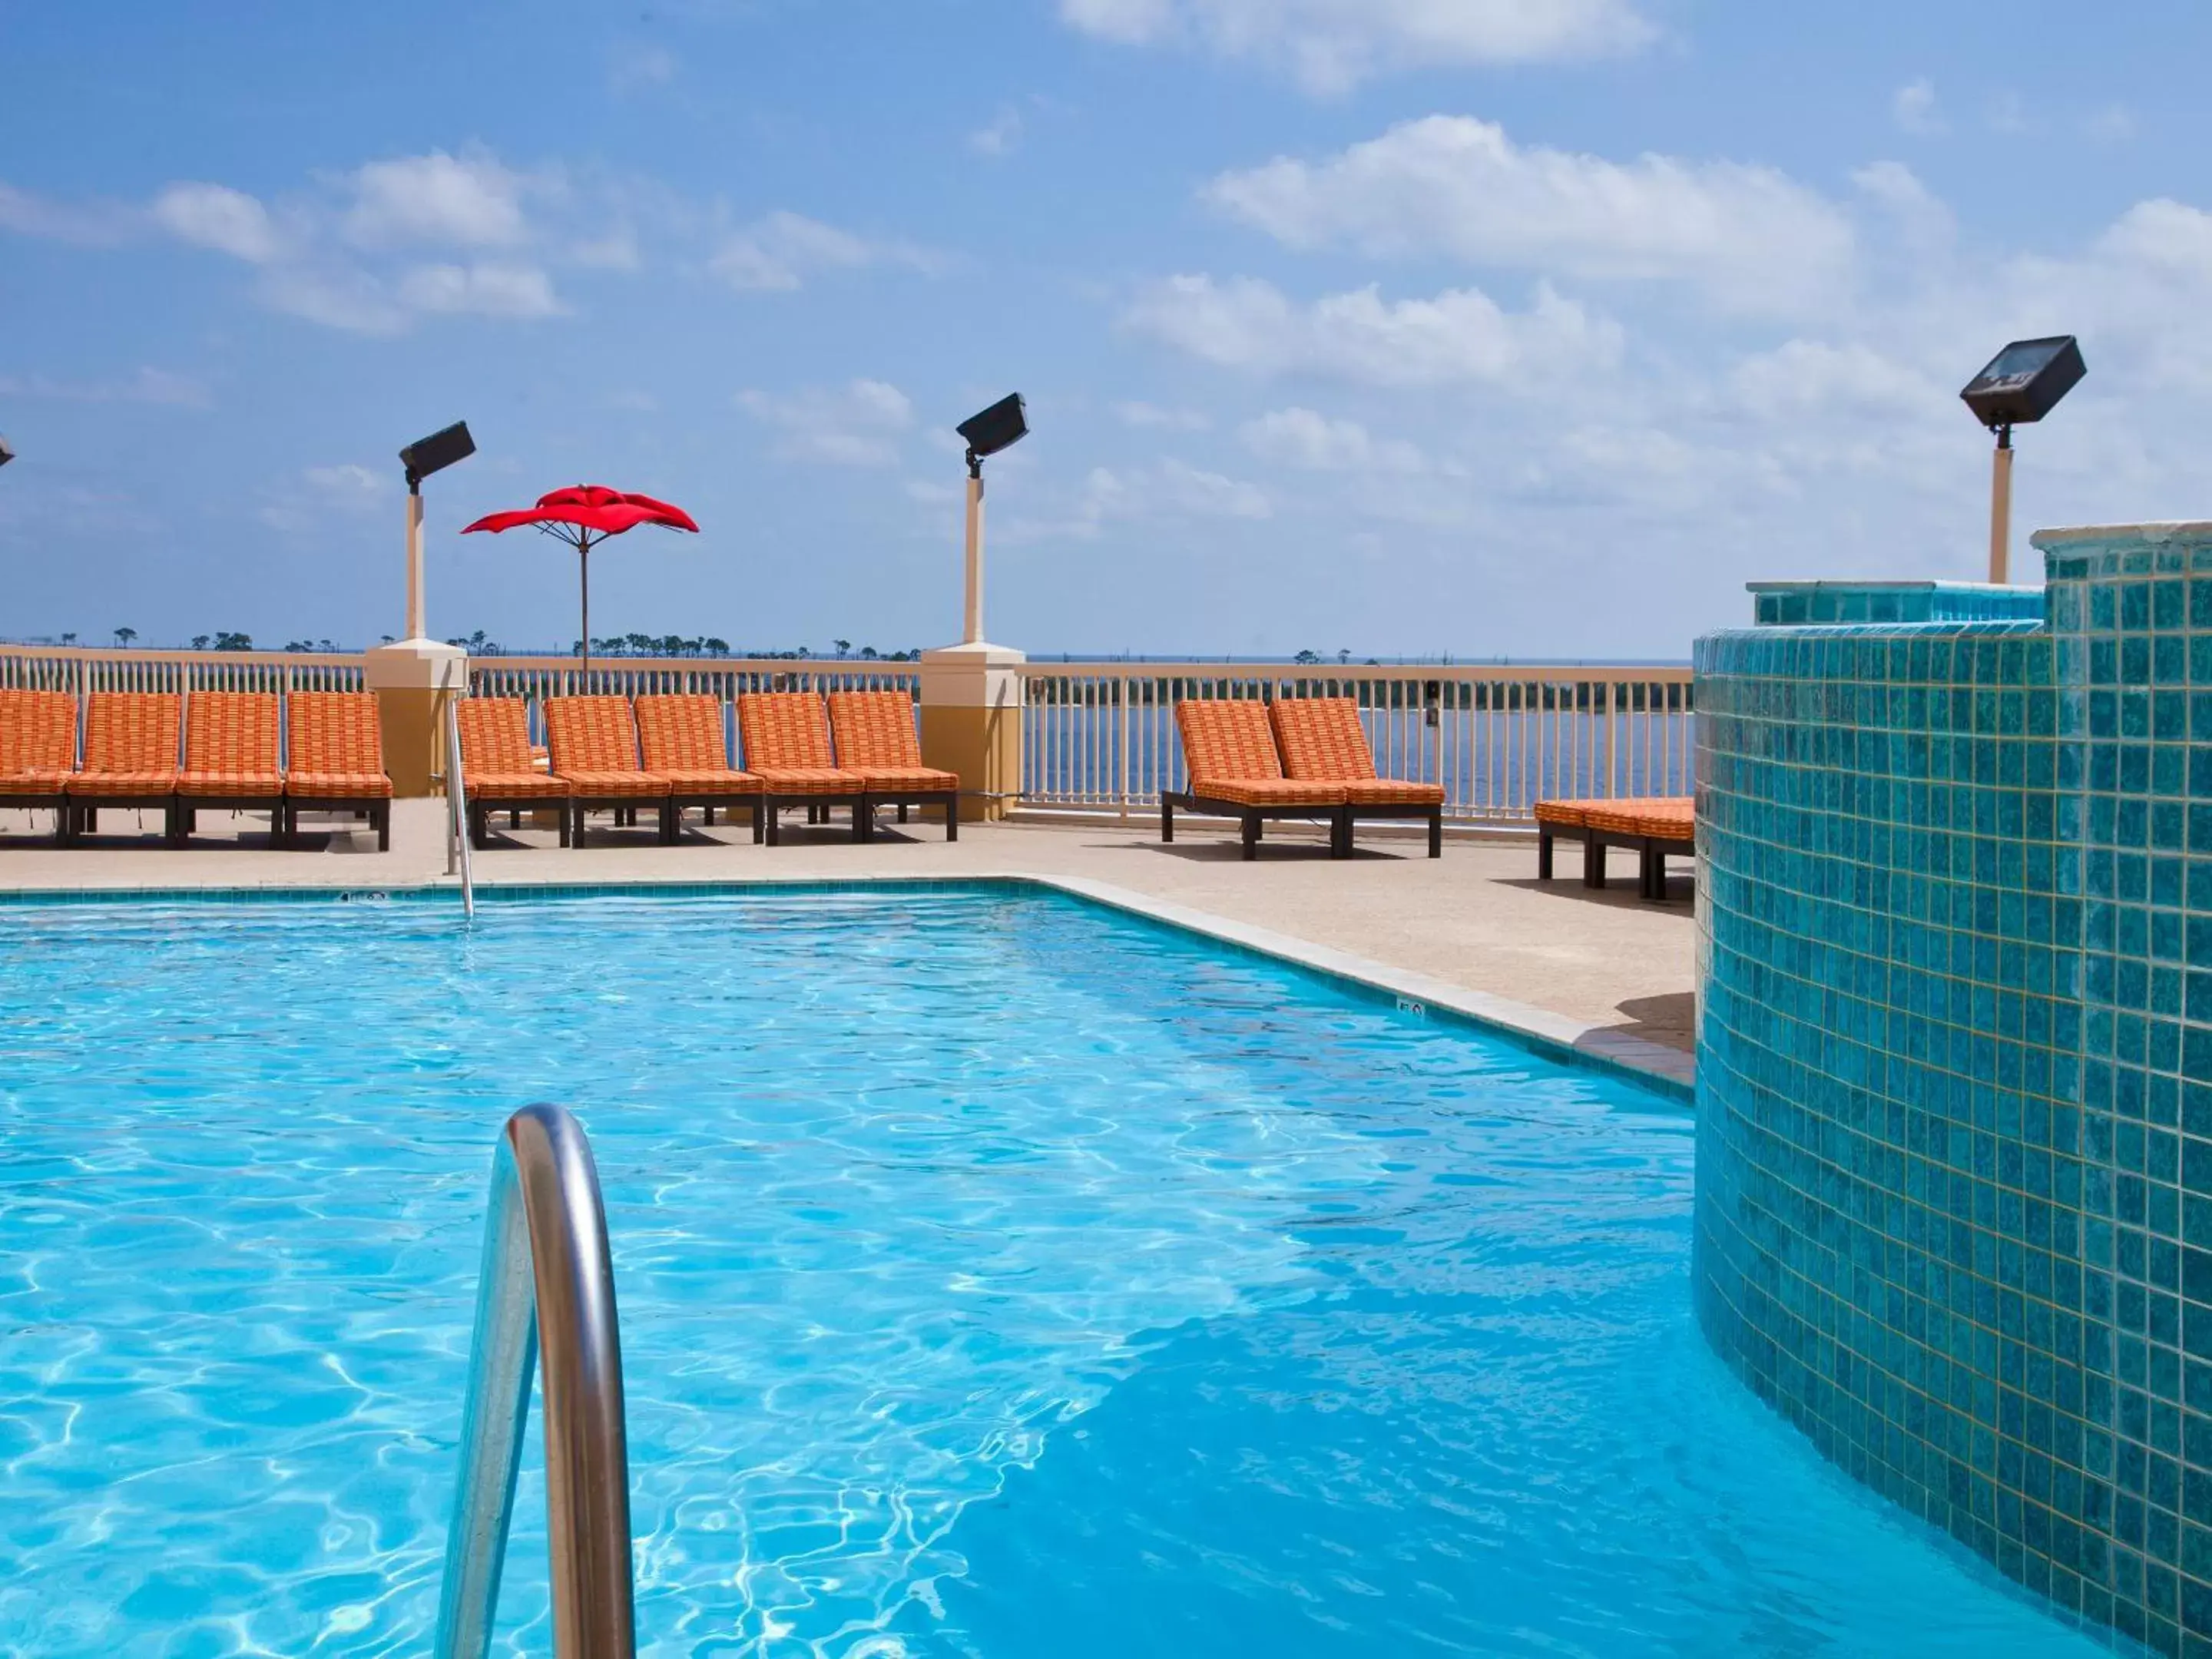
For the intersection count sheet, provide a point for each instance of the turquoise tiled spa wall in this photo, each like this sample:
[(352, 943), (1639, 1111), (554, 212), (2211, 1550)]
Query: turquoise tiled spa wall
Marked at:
[(1954, 1209)]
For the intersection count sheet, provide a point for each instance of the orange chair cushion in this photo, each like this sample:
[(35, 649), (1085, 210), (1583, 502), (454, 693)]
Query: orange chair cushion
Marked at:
[(494, 738), (1574, 814), (231, 744), (682, 734), (591, 734), (1270, 792), (710, 781), (1226, 741), (643, 785), (510, 785), (38, 737), (337, 786), (112, 785), (1321, 737), (230, 786), (132, 731), (32, 783), (1395, 791), (333, 734), (1659, 818), (874, 730), (810, 781), (785, 731), (919, 780)]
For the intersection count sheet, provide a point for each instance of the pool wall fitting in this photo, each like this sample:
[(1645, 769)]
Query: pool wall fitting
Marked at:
[(1955, 1147)]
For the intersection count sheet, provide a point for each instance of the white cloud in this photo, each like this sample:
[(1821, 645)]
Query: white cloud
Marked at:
[(1144, 415), (1168, 491), (483, 290), (1852, 382), (2113, 124), (439, 199), (1312, 442), (1749, 236), (303, 505), (1001, 137), (84, 224), (1330, 46), (216, 217), (861, 424), (1461, 337), (1912, 107), (148, 386), (777, 254)]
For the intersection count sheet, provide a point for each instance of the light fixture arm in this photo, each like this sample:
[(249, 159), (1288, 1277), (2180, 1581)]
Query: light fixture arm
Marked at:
[(2001, 507), (971, 631)]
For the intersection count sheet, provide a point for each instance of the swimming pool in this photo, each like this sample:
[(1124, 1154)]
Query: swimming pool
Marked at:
[(999, 1276)]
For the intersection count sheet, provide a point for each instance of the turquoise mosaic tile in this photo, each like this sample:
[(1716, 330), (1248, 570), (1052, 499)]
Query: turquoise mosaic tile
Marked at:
[(1794, 605), (1954, 1215)]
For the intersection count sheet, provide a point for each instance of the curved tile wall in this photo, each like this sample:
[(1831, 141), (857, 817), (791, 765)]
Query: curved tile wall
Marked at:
[(1954, 1205)]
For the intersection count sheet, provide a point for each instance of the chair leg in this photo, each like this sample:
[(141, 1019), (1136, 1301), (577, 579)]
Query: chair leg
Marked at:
[(1340, 834), (1543, 853), (177, 823), (901, 811), (760, 821), (1167, 819), (863, 820), (768, 810), (514, 817), (1593, 862), (1437, 833), (1251, 836), (710, 816), (564, 823), (952, 818)]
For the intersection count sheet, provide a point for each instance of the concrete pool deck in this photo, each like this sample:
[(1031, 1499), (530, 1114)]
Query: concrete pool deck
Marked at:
[(1599, 972)]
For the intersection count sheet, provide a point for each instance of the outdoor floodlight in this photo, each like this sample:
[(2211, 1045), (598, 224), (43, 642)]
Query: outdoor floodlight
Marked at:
[(421, 458), (1001, 426), (436, 452), (2022, 384), (6, 454)]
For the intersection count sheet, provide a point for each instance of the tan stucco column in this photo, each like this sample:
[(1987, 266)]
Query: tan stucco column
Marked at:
[(971, 723), (412, 680)]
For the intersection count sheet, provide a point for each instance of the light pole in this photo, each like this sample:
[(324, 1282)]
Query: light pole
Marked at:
[(2022, 384), (421, 458), (1001, 426)]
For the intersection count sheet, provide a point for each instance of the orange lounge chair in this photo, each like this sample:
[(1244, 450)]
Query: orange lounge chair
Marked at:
[(130, 758), (1651, 826), (786, 737), (875, 737), (684, 742), (497, 771), (1323, 742), (1229, 751), (38, 751), (334, 759), (593, 744), (231, 759)]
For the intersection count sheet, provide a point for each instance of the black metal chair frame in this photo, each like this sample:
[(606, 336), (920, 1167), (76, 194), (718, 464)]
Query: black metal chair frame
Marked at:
[(1251, 817), (376, 809), (947, 798), (1652, 853)]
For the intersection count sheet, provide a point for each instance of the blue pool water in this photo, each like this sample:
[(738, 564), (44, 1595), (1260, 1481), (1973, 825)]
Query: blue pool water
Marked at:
[(999, 1277)]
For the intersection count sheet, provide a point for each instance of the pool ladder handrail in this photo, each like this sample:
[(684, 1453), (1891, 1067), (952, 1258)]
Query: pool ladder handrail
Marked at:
[(457, 810), (547, 1289)]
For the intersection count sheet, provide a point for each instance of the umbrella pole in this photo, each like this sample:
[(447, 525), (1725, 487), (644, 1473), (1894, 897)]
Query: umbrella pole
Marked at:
[(584, 569)]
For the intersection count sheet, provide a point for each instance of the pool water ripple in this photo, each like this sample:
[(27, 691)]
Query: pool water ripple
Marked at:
[(1000, 1276)]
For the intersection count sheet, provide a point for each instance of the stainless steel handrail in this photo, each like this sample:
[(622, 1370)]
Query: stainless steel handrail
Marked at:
[(546, 1270), (457, 810)]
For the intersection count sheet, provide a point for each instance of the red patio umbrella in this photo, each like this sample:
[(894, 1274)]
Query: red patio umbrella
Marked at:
[(583, 515)]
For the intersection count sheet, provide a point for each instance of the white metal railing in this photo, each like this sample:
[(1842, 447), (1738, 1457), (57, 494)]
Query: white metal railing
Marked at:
[(1101, 736), (82, 669), (1097, 736), (458, 837)]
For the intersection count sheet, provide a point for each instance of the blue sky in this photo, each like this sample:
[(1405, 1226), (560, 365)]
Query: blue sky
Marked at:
[(1533, 327)]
